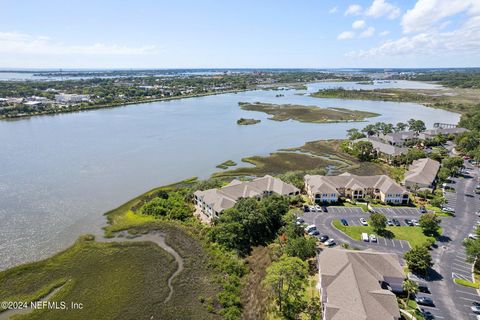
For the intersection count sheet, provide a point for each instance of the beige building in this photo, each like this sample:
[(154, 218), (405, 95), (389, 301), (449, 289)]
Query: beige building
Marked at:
[(422, 173), (359, 285), (213, 201), (327, 189)]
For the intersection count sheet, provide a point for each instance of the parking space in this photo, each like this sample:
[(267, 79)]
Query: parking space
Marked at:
[(399, 211), (348, 211)]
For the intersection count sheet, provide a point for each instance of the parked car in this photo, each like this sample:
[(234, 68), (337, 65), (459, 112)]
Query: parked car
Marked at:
[(365, 237), (363, 222), (310, 228), (323, 238), (389, 222), (324, 209), (472, 236), (448, 210), (477, 213), (329, 242), (424, 301), (314, 232), (427, 315), (415, 222), (373, 238), (344, 222), (306, 208), (423, 288), (475, 308), (312, 209), (396, 222), (318, 208), (409, 222), (300, 221), (423, 209)]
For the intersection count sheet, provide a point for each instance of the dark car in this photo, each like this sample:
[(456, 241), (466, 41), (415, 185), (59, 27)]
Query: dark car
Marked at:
[(396, 222), (427, 315), (424, 301), (314, 233), (423, 209), (423, 288), (324, 209), (323, 238), (306, 208), (344, 222), (409, 222)]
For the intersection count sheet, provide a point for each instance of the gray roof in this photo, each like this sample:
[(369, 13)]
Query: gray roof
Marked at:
[(383, 147), (350, 284), (225, 197), (422, 171), (330, 184), (396, 137), (445, 131)]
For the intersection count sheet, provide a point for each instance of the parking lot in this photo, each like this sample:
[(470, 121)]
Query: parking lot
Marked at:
[(323, 220)]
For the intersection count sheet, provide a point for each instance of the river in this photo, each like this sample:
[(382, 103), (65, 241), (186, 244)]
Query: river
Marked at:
[(58, 174)]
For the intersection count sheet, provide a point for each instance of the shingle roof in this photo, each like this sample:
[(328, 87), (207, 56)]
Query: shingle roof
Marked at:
[(328, 184), (383, 147), (350, 282), (225, 197), (422, 171)]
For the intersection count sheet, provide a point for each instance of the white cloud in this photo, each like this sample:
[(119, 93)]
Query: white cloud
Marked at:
[(380, 8), (427, 13), (346, 35), (20, 43), (464, 40), (384, 33), (353, 9), (368, 33), (333, 10), (358, 24)]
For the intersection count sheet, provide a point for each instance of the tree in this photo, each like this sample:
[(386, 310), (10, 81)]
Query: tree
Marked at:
[(452, 164), (418, 259), (416, 125), (430, 223), (301, 247), (443, 174), (285, 279), (472, 249), (170, 205), (378, 222), (369, 130), (400, 127), (363, 150), (410, 287), (438, 201), (354, 134)]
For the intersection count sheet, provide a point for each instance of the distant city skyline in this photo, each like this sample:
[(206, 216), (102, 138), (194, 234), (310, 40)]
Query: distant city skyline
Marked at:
[(242, 34)]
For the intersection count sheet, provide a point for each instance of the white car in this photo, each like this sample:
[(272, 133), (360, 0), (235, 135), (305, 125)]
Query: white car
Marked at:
[(373, 238), (313, 209), (363, 222), (472, 236), (318, 208), (310, 228), (329, 242), (390, 222), (415, 222)]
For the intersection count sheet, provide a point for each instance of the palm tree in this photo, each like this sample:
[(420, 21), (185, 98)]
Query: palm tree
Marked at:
[(410, 287)]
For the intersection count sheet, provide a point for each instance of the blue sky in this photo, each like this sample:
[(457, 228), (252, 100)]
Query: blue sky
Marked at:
[(247, 33)]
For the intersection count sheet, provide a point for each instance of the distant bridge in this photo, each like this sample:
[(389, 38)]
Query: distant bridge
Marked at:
[(444, 125)]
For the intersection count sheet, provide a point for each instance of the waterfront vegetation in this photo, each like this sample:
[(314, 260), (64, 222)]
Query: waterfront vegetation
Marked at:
[(312, 114), (136, 87), (247, 122), (226, 164), (453, 99)]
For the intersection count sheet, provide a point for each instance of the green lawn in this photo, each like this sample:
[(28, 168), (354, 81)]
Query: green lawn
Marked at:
[(466, 283), (413, 235)]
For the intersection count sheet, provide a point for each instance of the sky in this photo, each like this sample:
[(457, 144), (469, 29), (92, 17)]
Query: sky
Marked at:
[(239, 34)]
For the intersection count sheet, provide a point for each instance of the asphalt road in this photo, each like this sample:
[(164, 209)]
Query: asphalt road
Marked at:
[(453, 301)]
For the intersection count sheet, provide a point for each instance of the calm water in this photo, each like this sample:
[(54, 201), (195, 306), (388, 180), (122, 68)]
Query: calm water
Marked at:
[(58, 174)]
